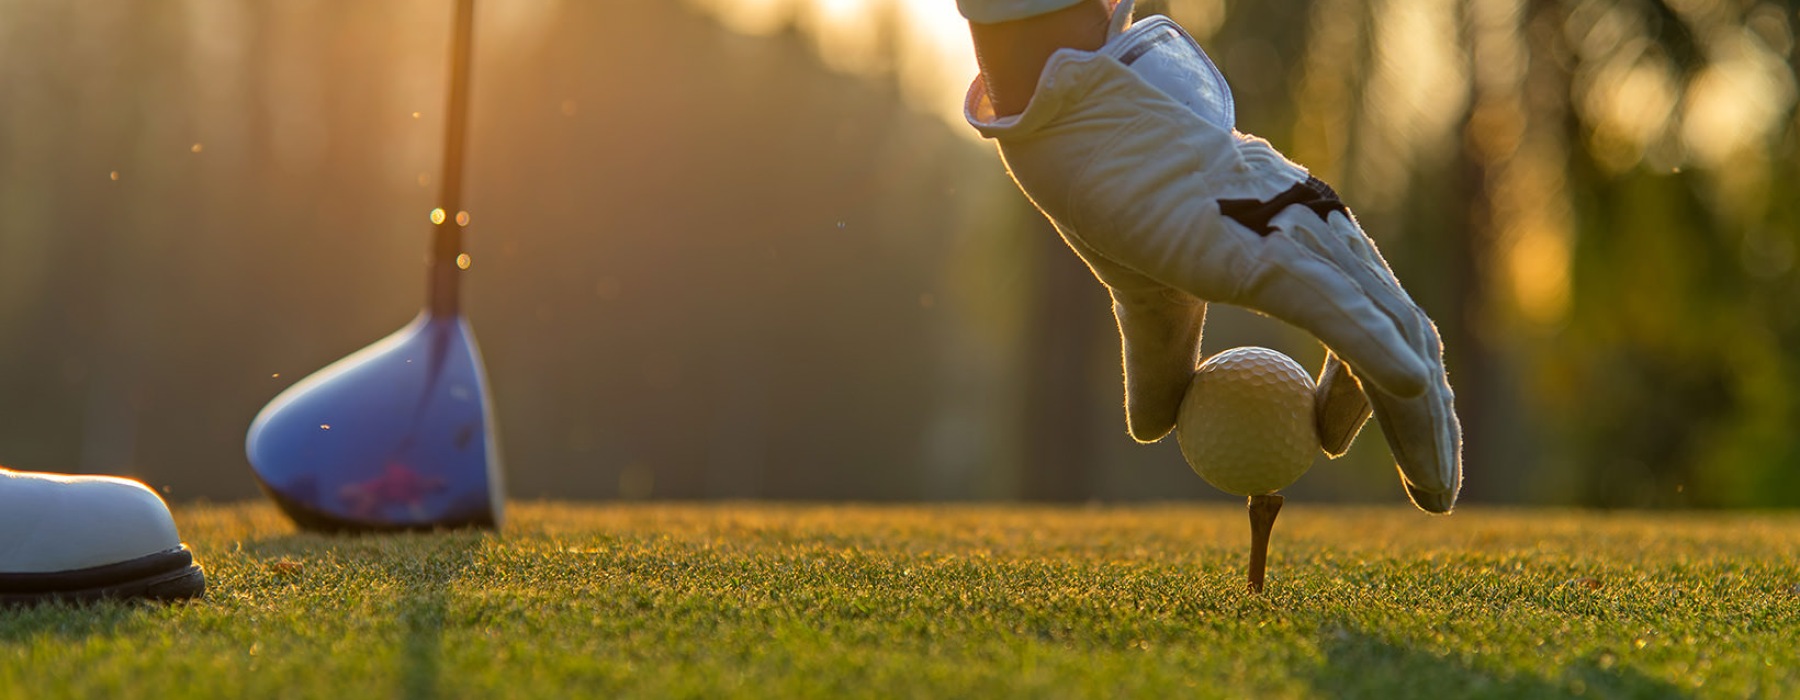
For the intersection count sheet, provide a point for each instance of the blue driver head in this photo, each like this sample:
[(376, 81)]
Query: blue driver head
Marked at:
[(398, 436)]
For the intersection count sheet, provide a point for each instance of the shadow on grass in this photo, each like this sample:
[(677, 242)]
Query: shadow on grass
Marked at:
[(422, 624), (22, 624), (424, 611), (428, 565), (1361, 665)]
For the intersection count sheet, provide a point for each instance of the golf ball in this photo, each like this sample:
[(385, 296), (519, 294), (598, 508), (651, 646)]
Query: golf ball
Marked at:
[(1246, 425)]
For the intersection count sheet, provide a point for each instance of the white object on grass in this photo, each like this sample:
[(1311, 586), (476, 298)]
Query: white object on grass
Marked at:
[(81, 538)]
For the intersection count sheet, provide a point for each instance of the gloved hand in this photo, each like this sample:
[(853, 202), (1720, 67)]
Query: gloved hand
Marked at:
[(1130, 151)]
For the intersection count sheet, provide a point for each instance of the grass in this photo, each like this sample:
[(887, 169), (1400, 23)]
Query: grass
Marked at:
[(952, 601)]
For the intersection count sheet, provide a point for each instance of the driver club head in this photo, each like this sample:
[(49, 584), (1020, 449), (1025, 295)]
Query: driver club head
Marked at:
[(398, 436)]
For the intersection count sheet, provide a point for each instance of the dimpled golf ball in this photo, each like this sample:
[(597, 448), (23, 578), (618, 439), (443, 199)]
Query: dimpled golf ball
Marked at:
[(1246, 425)]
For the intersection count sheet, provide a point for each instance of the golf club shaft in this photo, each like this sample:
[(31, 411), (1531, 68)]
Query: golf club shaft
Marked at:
[(1262, 520), (444, 285)]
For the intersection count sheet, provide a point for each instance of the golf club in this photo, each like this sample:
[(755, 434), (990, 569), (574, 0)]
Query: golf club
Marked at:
[(399, 435)]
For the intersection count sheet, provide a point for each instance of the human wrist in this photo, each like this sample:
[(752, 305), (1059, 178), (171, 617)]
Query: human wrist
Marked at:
[(1013, 53), (995, 11)]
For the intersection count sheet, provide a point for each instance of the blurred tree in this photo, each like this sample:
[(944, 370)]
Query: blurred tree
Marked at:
[(1680, 342)]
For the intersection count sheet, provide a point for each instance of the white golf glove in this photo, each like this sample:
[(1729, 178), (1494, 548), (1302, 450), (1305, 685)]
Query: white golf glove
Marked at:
[(1130, 151)]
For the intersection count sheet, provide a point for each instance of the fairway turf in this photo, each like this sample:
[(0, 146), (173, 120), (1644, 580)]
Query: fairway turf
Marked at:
[(951, 601)]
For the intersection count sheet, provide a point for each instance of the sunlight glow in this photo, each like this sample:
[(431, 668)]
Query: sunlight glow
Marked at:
[(847, 34), (1536, 232), (1497, 120), (1522, 158), (936, 59), (1324, 86), (924, 46), (219, 44), (752, 17), (1201, 18), (515, 22), (1539, 265), (1414, 96), (1630, 98), (1737, 101)]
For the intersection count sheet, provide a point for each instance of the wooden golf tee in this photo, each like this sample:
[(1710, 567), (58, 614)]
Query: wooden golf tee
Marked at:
[(1262, 519)]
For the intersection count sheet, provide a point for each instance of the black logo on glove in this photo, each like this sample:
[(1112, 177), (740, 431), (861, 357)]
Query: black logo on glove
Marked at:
[(1255, 214)]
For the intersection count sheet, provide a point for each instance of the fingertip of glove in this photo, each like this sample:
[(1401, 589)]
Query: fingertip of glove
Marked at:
[(1148, 431), (1150, 415), (1436, 503)]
